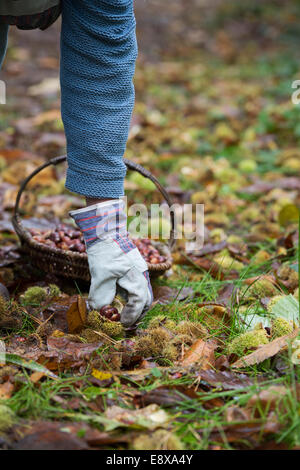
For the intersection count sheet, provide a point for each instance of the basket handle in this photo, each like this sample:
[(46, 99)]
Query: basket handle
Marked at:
[(130, 165)]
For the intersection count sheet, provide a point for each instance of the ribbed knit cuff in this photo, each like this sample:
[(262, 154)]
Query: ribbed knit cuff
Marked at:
[(94, 184)]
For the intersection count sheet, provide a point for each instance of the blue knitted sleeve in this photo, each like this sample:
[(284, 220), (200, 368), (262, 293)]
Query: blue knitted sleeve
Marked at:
[(98, 54)]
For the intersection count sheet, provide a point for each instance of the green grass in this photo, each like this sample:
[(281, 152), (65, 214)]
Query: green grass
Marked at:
[(192, 419), (42, 401)]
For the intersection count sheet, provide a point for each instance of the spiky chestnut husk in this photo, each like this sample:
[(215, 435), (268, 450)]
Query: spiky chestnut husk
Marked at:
[(170, 353), (218, 219), (261, 257), (227, 262), (262, 288), (280, 327), (161, 320), (161, 336), (217, 235), (90, 336), (34, 295), (94, 320), (73, 338), (248, 166), (210, 319), (58, 334), (10, 315), (109, 360), (54, 290), (290, 275), (173, 349), (179, 340), (190, 328), (235, 239), (158, 440), (99, 323), (112, 328), (188, 310), (15, 308), (45, 330), (114, 361), (248, 340), (250, 214), (153, 343), (4, 306), (7, 371), (7, 418), (146, 347), (33, 340), (227, 175)]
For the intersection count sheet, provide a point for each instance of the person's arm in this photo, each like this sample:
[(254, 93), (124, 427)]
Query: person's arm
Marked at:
[(98, 53)]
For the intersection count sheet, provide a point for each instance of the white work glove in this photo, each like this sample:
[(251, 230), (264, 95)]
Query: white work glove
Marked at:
[(114, 260)]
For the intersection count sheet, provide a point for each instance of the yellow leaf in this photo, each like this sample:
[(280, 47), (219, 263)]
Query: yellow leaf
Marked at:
[(288, 214), (101, 375), (225, 133)]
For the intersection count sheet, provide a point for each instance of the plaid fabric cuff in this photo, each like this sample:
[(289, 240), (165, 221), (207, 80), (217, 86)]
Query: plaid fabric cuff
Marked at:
[(124, 243), (105, 220)]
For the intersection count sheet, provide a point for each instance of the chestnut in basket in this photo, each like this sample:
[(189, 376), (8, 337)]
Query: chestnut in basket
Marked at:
[(63, 237), (67, 238), (148, 251)]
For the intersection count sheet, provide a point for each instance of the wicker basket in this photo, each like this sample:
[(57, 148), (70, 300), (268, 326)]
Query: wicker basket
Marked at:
[(75, 265)]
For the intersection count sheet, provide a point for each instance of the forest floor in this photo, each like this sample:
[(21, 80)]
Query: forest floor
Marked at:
[(215, 362)]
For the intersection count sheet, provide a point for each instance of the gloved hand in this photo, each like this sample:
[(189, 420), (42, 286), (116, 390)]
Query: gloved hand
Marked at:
[(114, 260)]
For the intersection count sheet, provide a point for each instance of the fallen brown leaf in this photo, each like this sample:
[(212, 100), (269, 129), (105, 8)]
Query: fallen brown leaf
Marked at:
[(236, 413), (201, 352), (250, 280), (254, 430), (164, 396), (265, 186), (51, 438), (210, 248), (62, 354), (76, 315), (36, 377), (75, 350), (64, 435), (6, 390), (150, 417), (225, 380), (227, 294), (164, 295), (266, 351), (210, 266), (268, 399)]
